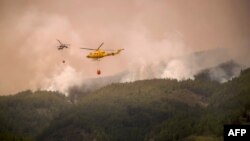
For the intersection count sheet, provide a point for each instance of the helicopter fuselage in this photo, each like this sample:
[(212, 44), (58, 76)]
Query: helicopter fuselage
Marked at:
[(96, 54), (100, 54), (62, 47)]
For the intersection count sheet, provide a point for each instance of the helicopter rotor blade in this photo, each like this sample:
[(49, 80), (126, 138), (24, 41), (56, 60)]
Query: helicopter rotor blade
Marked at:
[(88, 48), (109, 50), (100, 46), (59, 41)]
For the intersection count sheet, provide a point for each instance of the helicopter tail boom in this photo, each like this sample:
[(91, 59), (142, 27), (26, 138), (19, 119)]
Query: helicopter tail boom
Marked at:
[(119, 50), (114, 53)]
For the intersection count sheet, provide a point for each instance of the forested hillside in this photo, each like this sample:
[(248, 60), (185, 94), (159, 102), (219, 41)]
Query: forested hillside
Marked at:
[(153, 110), (27, 114)]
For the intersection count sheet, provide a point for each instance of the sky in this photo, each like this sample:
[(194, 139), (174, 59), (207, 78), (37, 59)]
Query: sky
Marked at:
[(159, 37)]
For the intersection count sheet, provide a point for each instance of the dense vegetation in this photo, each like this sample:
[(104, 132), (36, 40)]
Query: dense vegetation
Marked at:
[(27, 114), (153, 110)]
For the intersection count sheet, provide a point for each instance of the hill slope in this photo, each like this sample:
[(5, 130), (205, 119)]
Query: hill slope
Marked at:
[(27, 114), (130, 111), (144, 110)]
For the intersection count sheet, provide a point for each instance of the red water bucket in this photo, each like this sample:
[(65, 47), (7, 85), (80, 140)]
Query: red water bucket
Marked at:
[(98, 72)]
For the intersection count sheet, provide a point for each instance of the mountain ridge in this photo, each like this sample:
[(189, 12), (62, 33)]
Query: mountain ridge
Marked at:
[(157, 109)]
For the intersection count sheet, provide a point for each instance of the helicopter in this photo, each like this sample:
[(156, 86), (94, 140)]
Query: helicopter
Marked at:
[(62, 46), (98, 54)]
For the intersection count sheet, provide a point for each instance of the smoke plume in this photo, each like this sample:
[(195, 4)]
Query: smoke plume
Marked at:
[(162, 39)]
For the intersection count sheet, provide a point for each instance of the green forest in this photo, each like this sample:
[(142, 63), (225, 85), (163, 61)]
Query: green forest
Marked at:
[(146, 110)]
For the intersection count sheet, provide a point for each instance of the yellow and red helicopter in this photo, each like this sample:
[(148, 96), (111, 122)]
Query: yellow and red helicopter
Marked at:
[(97, 54)]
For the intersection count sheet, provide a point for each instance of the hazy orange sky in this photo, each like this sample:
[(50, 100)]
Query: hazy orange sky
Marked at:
[(150, 31)]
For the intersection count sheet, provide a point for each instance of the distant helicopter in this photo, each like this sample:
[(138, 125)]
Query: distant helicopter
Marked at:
[(97, 54), (62, 46)]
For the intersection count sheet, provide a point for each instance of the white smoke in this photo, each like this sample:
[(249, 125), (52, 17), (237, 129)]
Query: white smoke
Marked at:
[(178, 69), (167, 58), (64, 79), (223, 75), (160, 40)]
